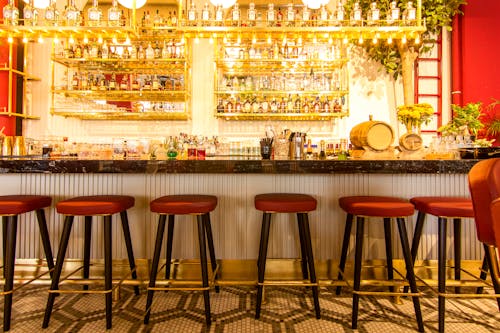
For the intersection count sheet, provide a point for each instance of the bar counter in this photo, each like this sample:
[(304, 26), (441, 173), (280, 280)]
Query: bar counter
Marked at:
[(237, 166), (236, 223)]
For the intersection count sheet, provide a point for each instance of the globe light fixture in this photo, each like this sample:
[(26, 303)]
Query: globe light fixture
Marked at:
[(315, 4), (223, 3), (130, 3)]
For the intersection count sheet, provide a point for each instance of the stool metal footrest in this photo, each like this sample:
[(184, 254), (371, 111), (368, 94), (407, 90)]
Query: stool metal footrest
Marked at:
[(25, 283)]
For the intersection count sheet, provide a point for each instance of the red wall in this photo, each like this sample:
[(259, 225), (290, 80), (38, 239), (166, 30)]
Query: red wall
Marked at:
[(8, 123), (479, 52)]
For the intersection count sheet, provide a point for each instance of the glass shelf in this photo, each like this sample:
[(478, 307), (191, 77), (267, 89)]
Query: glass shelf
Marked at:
[(121, 115), (281, 116), (150, 66), (122, 95)]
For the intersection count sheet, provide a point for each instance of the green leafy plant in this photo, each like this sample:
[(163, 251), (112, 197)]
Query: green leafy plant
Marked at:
[(466, 120)]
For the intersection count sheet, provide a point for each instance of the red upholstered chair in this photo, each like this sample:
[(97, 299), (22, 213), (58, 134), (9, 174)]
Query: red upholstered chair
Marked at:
[(171, 205), (10, 207), (88, 206), (387, 208), (444, 208), (300, 204), (484, 185)]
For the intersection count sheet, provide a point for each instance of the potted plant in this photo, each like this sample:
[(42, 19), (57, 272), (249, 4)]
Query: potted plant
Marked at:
[(413, 116), (490, 117), (465, 121)]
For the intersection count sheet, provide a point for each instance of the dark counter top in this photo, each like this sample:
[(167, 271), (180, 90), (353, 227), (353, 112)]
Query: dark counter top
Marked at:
[(235, 166)]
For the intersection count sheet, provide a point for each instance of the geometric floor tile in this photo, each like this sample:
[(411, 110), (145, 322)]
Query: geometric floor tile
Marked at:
[(286, 309)]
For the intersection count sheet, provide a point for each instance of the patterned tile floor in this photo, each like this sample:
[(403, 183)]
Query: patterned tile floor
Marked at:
[(287, 309)]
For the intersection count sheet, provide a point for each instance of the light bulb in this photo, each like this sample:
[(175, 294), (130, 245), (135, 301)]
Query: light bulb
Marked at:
[(130, 3)]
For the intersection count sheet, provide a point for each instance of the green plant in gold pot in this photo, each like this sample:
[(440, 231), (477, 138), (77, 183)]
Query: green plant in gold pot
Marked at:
[(465, 120)]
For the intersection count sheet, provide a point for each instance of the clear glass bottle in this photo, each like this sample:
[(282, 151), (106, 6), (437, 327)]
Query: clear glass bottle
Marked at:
[(306, 17), (271, 15), (52, 14), (94, 15), (356, 15), (157, 19), (192, 16), (393, 13), (251, 15), (205, 15), (114, 14), (290, 15), (150, 52), (75, 82), (174, 19), (235, 15), (373, 16), (30, 14), (323, 16), (112, 83), (124, 83), (72, 14), (104, 51), (339, 14), (219, 15), (410, 13), (10, 13), (165, 53)]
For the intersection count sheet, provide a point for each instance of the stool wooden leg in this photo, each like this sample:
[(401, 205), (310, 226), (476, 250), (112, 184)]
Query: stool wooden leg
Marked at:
[(5, 226), (388, 251), (61, 253), (492, 259), (345, 246), (10, 260), (86, 249), (261, 264), (417, 234), (154, 265), (204, 269), (44, 235), (303, 251), (441, 271), (457, 242), (128, 245), (358, 255), (403, 235), (211, 249), (483, 275), (108, 269), (310, 261), (170, 237)]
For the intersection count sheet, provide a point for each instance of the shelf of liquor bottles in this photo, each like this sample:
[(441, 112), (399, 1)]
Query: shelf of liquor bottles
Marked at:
[(121, 115)]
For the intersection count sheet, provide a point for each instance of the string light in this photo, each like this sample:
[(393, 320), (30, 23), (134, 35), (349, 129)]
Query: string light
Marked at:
[(25, 39), (40, 39), (10, 40), (56, 39), (417, 39), (389, 40), (345, 40), (403, 40), (71, 40), (85, 40), (360, 40)]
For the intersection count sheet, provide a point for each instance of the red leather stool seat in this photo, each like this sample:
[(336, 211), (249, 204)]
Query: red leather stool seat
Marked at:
[(18, 204), (444, 206), (376, 206), (95, 205), (184, 204), (285, 202)]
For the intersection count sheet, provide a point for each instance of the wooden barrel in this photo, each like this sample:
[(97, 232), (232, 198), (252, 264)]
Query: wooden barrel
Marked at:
[(375, 135)]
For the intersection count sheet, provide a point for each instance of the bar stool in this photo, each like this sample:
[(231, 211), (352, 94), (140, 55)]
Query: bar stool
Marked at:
[(386, 208), (10, 207), (88, 206), (300, 204), (444, 208), (171, 205)]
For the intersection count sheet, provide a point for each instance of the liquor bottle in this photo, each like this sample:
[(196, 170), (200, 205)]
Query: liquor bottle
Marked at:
[(157, 19), (157, 51), (84, 83), (75, 82), (279, 17), (323, 16), (126, 53), (317, 105), (104, 51), (305, 106), (393, 13), (72, 14), (235, 15), (251, 15), (205, 15), (155, 83), (289, 104), (78, 52), (326, 106), (265, 105), (356, 15), (237, 106), (150, 52), (273, 105), (112, 82), (30, 14), (94, 15), (297, 104), (124, 83), (165, 54), (306, 17), (271, 16), (290, 15), (220, 106), (147, 83), (219, 15), (114, 14), (192, 15), (102, 84), (174, 19), (141, 54), (373, 16), (51, 14), (322, 150), (133, 52), (339, 14), (10, 13), (136, 84), (229, 106), (247, 105), (409, 14), (168, 21)]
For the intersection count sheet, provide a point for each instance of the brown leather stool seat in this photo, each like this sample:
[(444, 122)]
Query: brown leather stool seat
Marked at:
[(88, 206), (10, 207), (444, 208), (187, 204), (386, 208), (300, 204)]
